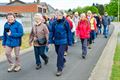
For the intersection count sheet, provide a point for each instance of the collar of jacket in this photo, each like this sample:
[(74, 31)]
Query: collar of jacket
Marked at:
[(61, 20), (38, 24), (11, 23)]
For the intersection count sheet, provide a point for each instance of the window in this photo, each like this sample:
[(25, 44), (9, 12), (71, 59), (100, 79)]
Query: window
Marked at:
[(44, 10), (40, 10)]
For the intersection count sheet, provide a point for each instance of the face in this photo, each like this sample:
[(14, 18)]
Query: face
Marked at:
[(76, 15), (106, 14), (69, 17), (89, 14), (59, 16), (83, 17), (37, 19), (10, 18)]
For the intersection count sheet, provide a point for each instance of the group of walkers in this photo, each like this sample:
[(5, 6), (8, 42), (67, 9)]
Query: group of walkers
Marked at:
[(60, 29)]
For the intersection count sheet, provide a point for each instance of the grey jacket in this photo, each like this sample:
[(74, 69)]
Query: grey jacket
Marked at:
[(106, 20)]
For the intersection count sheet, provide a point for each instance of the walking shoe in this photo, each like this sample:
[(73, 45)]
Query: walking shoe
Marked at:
[(83, 56), (46, 61), (65, 54), (89, 46), (38, 66), (105, 36), (64, 62), (59, 73), (11, 68), (17, 68)]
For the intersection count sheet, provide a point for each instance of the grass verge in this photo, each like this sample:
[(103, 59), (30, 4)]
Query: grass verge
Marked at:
[(115, 75), (25, 44)]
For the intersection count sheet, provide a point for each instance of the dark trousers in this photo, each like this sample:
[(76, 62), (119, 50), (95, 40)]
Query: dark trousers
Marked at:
[(92, 36), (39, 51), (73, 37), (66, 48), (84, 46), (60, 49)]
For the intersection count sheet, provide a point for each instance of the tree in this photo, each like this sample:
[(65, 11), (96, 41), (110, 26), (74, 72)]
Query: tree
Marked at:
[(69, 10), (93, 9), (100, 9), (112, 8), (78, 9)]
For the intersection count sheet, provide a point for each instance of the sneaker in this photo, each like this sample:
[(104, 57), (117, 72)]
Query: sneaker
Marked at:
[(38, 66), (11, 68), (17, 68), (46, 61), (65, 54), (59, 73)]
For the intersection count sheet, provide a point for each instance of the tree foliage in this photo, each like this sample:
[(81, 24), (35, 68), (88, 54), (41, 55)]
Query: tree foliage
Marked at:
[(100, 8), (91, 8), (85, 9), (112, 8)]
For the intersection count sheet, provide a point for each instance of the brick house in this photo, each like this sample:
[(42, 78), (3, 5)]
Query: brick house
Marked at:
[(18, 6), (26, 10)]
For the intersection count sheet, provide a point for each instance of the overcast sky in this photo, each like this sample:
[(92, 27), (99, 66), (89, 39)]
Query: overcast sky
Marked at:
[(67, 4)]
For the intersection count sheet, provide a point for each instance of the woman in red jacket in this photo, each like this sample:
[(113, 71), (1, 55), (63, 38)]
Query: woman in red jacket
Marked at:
[(83, 32)]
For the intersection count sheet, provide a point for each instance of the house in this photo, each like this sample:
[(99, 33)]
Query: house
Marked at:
[(26, 10), (18, 6)]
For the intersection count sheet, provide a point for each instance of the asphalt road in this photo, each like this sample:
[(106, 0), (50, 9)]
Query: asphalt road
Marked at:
[(75, 69)]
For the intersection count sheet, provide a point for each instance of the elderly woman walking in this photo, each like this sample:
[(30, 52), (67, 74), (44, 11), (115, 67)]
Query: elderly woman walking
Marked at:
[(60, 36), (13, 32), (83, 32), (39, 39)]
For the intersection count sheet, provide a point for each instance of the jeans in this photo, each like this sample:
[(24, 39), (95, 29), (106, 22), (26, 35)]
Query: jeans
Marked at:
[(39, 51), (105, 31), (99, 30)]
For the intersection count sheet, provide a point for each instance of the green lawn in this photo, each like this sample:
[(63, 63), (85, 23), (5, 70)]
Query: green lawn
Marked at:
[(25, 44), (115, 75)]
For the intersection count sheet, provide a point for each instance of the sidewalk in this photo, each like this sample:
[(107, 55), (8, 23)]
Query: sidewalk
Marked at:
[(102, 70)]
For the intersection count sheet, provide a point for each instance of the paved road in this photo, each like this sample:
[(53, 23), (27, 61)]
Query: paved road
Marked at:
[(76, 68)]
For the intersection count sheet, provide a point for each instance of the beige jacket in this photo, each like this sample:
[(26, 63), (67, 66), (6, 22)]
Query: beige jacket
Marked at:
[(38, 31)]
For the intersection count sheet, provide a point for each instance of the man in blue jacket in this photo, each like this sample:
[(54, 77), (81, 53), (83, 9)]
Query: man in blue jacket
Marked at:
[(13, 32), (106, 23), (60, 36)]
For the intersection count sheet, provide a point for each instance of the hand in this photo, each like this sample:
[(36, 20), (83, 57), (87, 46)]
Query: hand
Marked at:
[(4, 46), (9, 33), (30, 44), (77, 36), (47, 44)]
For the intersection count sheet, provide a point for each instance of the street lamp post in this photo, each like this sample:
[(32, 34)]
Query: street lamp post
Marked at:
[(118, 10)]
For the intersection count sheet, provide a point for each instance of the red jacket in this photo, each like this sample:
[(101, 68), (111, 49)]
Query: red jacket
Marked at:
[(83, 29), (70, 23)]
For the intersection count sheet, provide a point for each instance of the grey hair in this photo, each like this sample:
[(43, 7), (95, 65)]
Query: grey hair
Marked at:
[(59, 13), (38, 15), (83, 14)]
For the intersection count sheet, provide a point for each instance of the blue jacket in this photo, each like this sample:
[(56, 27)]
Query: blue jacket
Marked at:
[(60, 33), (14, 39), (106, 20)]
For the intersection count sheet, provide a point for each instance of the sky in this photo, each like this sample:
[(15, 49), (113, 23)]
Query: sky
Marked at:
[(67, 4)]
